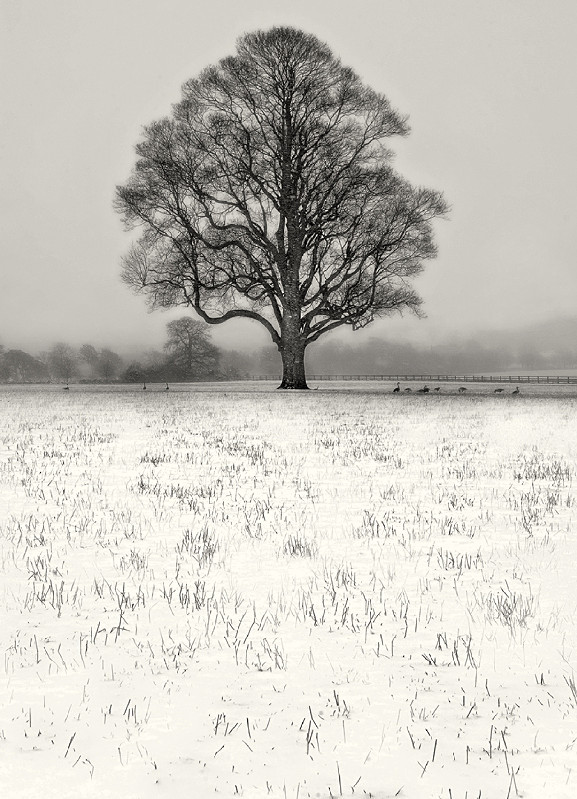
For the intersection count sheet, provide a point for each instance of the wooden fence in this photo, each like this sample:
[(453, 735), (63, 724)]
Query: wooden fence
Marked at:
[(557, 379)]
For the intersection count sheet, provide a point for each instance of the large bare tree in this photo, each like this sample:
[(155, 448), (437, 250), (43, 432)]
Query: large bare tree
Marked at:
[(269, 194)]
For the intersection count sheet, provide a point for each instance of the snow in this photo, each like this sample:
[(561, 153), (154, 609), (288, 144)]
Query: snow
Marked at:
[(233, 591)]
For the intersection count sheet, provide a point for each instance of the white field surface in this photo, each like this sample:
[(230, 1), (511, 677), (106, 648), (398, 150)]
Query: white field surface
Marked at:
[(234, 591)]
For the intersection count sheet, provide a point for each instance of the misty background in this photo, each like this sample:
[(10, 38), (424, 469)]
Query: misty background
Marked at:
[(547, 347), (488, 88)]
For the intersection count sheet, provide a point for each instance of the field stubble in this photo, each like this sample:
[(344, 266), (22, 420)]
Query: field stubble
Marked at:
[(264, 594)]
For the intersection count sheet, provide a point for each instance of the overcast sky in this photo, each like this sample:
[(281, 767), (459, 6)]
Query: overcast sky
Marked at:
[(489, 87)]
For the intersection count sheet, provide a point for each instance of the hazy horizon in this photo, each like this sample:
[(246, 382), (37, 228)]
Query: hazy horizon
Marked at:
[(487, 89), (541, 337)]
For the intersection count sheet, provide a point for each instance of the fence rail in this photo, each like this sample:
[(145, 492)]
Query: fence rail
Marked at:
[(555, 379)]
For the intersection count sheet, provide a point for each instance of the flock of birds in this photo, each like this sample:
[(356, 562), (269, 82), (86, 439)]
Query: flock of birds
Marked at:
[(462, 389), (144, 387), (396, 390)]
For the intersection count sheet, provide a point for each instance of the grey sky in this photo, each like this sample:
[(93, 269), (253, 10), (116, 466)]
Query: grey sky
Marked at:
[(489, 88)]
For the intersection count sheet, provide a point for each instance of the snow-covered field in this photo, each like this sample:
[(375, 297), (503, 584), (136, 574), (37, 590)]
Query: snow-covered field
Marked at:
[(234, 591)]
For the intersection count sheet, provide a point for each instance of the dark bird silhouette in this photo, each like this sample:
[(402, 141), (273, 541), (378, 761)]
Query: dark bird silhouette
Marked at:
[(144, 386), (167, 387), (408, 389), (462, 389), (66, 388), (516, 391), (424, 390), (437, 388), (397, 388), (498, 391)]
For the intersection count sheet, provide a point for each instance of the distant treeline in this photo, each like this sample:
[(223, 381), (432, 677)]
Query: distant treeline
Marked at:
[(383, 357), (190, 355), (65, 364), (547, 346), (60, 363), (388, 357)]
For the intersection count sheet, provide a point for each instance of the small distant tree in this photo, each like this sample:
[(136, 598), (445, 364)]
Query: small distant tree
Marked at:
[(4, 373), (108, 364), (89, 354), (233, 365), (61, 360), (134, 373), (104, 364), (269, 195), (191, 354)]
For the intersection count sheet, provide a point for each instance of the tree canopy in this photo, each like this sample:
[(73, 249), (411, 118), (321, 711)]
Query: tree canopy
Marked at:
[(61, 360), (191, 354), (17, 366), (269, 194)]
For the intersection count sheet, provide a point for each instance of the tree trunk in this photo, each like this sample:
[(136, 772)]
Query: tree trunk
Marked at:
[(292, 352)]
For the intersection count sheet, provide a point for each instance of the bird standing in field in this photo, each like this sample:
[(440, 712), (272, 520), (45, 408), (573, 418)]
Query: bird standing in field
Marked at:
[(408, 389), (516, 391), (462, 390), (397, 388), (144, 386), (167, 387), (424, 390), (498, 391), (437, 388)]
